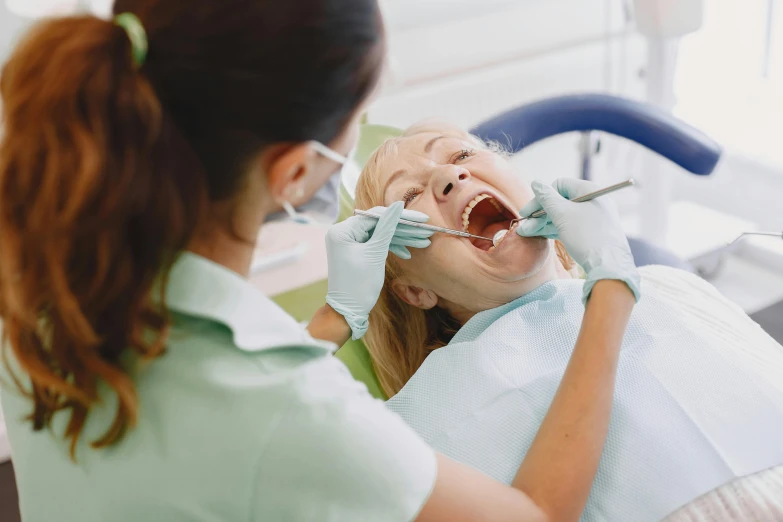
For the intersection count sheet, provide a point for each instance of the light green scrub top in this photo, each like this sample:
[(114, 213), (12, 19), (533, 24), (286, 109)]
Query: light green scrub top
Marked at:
[(245, 418)]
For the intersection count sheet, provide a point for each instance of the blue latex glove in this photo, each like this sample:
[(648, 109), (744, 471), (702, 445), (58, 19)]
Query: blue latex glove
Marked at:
[(590, 231), (356, 251)]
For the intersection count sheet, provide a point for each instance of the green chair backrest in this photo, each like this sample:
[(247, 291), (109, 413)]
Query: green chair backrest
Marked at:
[(302, 303)]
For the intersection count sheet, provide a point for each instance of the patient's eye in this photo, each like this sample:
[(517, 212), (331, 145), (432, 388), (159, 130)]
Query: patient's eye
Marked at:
[(410, 195), (463, 155)]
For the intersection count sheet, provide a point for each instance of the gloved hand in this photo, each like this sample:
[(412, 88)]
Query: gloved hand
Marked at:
[(590, 231), (406, 235), (356, 251)]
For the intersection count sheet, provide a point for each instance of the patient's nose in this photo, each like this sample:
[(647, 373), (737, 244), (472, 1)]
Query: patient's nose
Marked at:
[(448, 180)]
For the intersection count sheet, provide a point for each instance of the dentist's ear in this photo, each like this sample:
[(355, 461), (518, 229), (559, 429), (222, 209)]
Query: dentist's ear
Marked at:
[(286, 168), (415, 296)]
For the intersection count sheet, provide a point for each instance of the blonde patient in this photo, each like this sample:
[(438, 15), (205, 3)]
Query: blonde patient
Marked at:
[(460, 183), (465, 184)]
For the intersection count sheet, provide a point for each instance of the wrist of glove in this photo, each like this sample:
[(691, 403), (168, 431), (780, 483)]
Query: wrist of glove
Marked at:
[(359, 323), (610, 263)]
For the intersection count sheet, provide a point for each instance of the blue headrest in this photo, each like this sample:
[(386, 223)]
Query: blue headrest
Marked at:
[(643, 123)]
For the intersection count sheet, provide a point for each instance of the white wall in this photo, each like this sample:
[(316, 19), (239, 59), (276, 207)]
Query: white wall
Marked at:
[(721, 88), (11, 27), (740, 186)]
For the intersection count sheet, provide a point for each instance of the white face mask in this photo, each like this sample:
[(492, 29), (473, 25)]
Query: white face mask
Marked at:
[(325, 202)]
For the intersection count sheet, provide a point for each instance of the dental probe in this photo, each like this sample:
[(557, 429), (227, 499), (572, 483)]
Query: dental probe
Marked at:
[(422, 225), (581, 199), (773, 234)]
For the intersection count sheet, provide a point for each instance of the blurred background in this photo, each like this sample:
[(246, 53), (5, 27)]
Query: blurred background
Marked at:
[(715, 64)]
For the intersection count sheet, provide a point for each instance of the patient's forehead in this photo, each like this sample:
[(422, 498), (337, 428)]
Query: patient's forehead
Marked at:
[(414, 145), (429, 142), (420, 148)]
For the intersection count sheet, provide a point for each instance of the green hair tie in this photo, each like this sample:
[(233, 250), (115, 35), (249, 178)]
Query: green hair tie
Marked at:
[(136, 34)]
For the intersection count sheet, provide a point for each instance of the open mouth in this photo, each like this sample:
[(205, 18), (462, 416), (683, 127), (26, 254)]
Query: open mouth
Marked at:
[(485, 216)]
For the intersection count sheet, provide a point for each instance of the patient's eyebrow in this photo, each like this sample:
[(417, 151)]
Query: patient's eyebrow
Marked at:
[(428, 146), (392, 179)]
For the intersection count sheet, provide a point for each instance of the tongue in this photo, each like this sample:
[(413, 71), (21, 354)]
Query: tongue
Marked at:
[(489, 231), (493, 228)]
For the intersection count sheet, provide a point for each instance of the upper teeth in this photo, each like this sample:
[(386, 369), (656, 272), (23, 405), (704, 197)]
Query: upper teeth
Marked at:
[(472, 203), (469, 208)]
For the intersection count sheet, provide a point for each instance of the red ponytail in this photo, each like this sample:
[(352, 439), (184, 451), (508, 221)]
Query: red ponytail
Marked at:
[(92, 205)]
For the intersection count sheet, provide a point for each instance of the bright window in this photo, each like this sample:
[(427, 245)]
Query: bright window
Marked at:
[(729, 79)]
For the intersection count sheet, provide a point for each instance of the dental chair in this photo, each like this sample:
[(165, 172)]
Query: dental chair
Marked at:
[(519, 128)]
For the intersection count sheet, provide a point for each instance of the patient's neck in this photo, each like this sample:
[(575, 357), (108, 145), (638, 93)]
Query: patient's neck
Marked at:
[(549, 272)]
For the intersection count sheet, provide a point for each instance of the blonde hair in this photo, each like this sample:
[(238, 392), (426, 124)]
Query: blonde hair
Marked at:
[(401, 336)]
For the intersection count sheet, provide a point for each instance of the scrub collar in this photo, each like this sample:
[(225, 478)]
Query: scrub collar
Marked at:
[(201, 288)]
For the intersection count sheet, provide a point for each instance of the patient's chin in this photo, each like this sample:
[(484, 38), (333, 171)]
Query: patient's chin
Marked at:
[(527, 256)]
